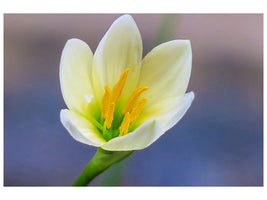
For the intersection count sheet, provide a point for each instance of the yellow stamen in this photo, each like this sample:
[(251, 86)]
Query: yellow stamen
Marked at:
[(133, 99), (110, 98), (125, 124), (117, 90), (105, 102), (137, 110), (109, 117)]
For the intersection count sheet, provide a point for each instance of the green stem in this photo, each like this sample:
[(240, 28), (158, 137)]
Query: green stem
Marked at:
[(100, 162), (167, 28)]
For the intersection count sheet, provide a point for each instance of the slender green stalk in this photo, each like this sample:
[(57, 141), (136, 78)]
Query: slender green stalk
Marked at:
[(167, 28), (101, 161)]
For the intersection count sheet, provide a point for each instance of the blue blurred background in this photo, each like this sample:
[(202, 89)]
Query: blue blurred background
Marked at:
[(219, 142)]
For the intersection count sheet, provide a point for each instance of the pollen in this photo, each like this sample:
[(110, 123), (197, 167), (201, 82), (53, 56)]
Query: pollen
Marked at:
[(109, 117), (117, 90), (105, 102), (133, 99), (138, 109), (109, 99), (125, 124), (130, 112)]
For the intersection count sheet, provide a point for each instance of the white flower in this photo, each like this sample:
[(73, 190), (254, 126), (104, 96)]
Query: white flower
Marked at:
[(116, 100)]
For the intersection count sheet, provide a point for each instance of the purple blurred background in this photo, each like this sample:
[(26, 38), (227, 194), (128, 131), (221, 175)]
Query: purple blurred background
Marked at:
[(219, 142)]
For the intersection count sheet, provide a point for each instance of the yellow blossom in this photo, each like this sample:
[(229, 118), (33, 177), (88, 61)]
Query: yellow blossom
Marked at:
[(116, 100)]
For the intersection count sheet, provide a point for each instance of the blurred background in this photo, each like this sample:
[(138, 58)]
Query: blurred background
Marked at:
[(219, 142)]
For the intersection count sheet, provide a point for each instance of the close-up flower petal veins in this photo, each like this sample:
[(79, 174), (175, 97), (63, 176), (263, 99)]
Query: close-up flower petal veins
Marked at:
[(116, 100)]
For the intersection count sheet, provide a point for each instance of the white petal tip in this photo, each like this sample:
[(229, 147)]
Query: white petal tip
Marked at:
[(126, 16), (191, 94), (76, 41), (73, 39), (125, 19), (182, 42)]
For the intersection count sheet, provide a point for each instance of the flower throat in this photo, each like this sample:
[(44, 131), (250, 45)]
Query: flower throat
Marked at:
[(130, 112)]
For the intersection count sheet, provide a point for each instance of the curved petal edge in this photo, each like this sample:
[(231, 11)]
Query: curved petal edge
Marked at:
[(75, 65), (80, 128), (174, 115), (140, 138)]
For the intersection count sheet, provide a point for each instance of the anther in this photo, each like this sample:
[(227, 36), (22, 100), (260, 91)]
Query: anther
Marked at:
[(137, 110), (117, 89), (125, 124), (133, 99), (105, 102), (109, 117)]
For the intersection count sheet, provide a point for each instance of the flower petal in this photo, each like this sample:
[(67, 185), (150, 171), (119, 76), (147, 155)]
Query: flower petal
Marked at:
[(168, 112), (142, 137), (152, 129), (166, 70), (120, 48), (75, 65), (80, 128)]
